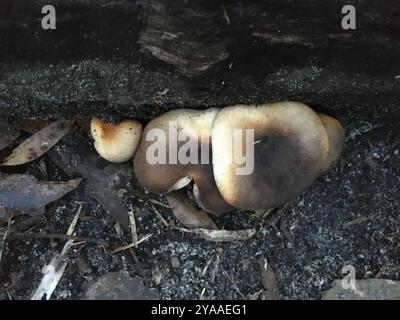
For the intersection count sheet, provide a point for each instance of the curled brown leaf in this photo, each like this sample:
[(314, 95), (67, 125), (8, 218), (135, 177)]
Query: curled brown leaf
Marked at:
[(187, 214)]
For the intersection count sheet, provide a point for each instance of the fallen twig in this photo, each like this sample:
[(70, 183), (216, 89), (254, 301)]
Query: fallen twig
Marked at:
[(214, 270), (160, 216), (3, 242), (72, 226), (22, 235), (222, 235), (201, 297), (131, 245), (132, 223), (261, 214), (203, 273), (356, 221), (159, 203), (234, 284), (55, 269)]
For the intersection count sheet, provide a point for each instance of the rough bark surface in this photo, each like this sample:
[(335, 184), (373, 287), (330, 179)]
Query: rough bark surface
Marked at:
[(137, 59)]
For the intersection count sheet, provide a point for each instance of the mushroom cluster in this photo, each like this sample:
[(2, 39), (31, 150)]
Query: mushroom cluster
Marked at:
[(289, 144)]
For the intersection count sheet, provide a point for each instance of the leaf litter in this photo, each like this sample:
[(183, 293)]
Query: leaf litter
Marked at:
[(39, 143), (26, 194), (102, 179), (187, 214), (268, 280)]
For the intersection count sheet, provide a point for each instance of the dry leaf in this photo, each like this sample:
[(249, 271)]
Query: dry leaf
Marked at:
[(26, 194), (188, 215), (268, 280), (8, 133), (39, 143), (76, 156), (223, 235)]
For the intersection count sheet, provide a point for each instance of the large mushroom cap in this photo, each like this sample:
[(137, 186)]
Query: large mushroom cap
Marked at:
[(116, 143), (162, 177), (290, 150), (335, 133)]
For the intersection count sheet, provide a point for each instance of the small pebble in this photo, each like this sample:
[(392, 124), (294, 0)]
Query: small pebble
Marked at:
[(175, 263)]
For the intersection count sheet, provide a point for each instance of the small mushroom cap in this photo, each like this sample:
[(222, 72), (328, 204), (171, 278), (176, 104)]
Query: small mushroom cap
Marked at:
[(162, 178), (335, 133), (290, 150), (116, 143)]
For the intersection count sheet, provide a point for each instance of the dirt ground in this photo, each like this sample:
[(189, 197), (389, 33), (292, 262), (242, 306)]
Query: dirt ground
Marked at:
[(349, 216)]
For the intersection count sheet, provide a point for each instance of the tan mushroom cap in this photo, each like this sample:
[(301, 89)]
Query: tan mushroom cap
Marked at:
[(290, 150), (116, 143), (162, 178), (335, 133)]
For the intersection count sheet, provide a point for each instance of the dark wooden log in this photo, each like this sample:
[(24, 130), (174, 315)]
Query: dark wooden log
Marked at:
[(189, 35), (139, 58)]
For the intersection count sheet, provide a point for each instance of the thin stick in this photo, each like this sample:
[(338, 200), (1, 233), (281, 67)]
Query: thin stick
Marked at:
[(201, 297), (159, 203), (160, 216), (128, 246), (203, 273), (4, 241), (221, 235), (132, 223), (266, 213), (72, 226), (54, 271), (56, 236), (234, 284)]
